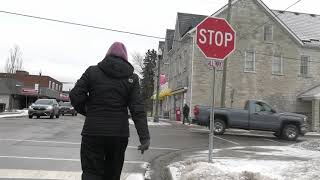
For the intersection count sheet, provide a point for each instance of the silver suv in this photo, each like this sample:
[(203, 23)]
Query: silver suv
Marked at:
[(44, 107)]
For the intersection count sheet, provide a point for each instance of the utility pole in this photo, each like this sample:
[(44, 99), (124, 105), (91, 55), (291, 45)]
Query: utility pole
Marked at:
[(156, 116), (39, 84), (224, 77)]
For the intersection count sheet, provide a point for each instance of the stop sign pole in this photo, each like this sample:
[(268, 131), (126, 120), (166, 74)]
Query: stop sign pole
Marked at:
[(216, 40)]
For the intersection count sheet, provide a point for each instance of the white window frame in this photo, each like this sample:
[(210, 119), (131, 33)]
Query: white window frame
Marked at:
[(49, 84), (254, 61), (264, 33), (281, 64), (53, 85), (308, 66)]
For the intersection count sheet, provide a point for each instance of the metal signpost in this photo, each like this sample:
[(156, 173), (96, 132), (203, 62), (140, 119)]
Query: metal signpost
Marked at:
[(216, 39)]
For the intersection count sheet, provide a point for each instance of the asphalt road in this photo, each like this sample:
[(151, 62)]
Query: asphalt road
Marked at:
[(49, 148)]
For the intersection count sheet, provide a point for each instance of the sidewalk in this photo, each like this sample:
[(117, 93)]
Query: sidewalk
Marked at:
[(296, 162), (17, 113)]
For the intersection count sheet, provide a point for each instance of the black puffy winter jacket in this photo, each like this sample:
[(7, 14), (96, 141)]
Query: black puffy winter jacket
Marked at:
[(104, 93)]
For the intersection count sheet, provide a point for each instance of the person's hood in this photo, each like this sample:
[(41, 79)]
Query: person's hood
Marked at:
[(116, 67)]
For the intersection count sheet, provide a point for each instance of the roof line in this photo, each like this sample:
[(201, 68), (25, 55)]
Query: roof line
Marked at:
[(314, 87), (296, 12), (269, 11)]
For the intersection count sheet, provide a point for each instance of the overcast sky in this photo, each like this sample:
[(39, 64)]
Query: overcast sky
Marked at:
[(65, 51)]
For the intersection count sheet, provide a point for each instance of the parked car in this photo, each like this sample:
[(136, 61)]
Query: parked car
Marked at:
[(256, 115), (44, 107), (67, 108)]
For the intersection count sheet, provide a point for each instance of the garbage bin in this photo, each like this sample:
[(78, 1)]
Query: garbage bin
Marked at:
[(2, 107)]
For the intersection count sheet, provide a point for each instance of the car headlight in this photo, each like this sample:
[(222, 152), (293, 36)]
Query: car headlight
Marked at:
[(49, 108), (30, 107)]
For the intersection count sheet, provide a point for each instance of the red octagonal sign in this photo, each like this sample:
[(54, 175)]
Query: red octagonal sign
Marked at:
[(216, 38)]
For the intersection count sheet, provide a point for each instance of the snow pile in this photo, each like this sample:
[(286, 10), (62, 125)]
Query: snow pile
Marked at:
[(151, 123), (287, 163), (313, 145), (18, 113)]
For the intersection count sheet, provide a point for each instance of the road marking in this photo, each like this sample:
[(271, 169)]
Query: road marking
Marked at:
[(232, 142), (36, 141), (157, 148), (39, 174), (206, 130), (61, 159), (274, 141), (55, 175), (75, 143)]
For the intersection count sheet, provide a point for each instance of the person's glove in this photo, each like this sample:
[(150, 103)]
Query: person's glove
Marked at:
[(144, 145)]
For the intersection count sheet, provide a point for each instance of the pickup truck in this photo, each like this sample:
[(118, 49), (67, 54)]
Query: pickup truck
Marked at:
[(256, 115)]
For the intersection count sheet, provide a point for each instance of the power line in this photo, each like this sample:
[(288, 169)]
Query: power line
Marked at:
[(83, 25), (277, 15), (119, 31)]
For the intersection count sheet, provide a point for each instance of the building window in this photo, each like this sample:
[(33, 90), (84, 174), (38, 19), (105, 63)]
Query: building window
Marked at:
[(250, 63), (268, 33), (56, 87), (53, 85), (277, 64), (49, 84), (304, 66)]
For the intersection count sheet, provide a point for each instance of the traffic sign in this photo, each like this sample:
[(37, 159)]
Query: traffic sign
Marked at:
[(216, 38), (218, 64)]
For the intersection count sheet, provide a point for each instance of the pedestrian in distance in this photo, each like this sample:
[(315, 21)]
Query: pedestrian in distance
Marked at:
[(186, 110), (103, 94)]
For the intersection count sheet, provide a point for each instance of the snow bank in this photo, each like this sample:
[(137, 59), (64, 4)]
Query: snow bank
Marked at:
[(289, 163), (313, 145), (151, 123), (19, 113)]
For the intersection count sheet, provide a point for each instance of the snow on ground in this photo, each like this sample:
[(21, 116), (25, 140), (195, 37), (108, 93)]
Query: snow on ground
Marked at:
[(19, 113), (296, 162), (310, 145), (151, 123)]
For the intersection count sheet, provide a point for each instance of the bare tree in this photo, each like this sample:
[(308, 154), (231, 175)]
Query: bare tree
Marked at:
[(138, 62), (14, 61)]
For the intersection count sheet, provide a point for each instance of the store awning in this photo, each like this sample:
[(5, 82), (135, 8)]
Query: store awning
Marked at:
[(163, 93), (180, 90), (311, 94)]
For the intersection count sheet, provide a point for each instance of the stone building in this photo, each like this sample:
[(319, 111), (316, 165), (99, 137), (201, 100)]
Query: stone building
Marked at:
[(277, 59)]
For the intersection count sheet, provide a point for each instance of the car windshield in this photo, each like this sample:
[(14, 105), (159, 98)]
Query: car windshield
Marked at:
[(66, 104), (44, 102)]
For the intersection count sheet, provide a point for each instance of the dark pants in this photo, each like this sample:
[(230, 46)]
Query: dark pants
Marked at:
[(102, 157), (186, 119)]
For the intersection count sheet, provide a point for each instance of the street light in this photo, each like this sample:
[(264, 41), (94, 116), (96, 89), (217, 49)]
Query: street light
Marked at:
[(156, 116)]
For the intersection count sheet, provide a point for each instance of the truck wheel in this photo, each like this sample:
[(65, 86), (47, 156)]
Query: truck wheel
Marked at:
[(30, 116), (51, 116), (57, 116), (290, 132), (219, 127)]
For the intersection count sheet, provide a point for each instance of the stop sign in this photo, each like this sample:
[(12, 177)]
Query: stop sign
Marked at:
[(216, 38)]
